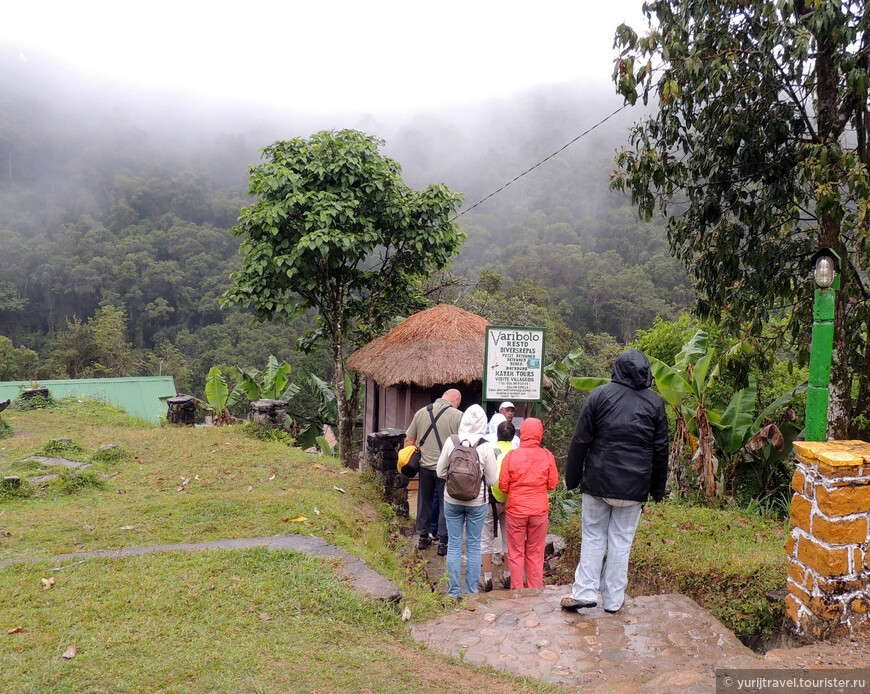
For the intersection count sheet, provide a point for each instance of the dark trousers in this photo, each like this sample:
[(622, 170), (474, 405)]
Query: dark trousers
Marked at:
[(430, 484)]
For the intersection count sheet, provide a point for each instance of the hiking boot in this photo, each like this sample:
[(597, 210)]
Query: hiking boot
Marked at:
[(569, 603), (433, 537), (424, 542), (485, 585), (442, 549), (505, 582)]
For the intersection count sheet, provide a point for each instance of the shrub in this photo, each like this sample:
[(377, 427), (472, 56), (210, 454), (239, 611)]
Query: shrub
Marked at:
[(10, 490), (110, 454), (72, 481), (60, 447)]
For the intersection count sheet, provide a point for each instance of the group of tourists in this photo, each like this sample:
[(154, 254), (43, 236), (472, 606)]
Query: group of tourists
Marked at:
[(618, 456)]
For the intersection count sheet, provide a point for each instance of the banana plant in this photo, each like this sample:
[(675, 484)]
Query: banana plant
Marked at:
[(685, 387), (553, 400), (218, 397), (272, 384), (760, 444), (327, 409)]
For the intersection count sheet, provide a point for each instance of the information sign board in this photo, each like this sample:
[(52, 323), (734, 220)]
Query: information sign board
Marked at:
[(513, 363)]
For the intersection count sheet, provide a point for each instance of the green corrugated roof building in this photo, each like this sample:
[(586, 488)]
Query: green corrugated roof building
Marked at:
[(139, 396)]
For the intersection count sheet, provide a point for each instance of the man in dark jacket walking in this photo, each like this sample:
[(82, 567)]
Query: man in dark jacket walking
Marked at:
[(619, 457)]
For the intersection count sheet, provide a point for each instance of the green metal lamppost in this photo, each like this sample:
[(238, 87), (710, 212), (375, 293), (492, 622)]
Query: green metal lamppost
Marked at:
[(826, 272)]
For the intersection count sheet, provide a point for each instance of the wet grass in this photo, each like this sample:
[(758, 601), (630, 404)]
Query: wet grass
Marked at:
[(220, 621)]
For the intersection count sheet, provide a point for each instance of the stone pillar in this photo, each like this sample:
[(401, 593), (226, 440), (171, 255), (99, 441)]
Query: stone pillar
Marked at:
[(828, 561), (382, 455), (182, 410), (36, 391), (269, 414)]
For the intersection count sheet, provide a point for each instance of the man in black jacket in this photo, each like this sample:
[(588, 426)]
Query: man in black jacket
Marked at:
[(619, 457)]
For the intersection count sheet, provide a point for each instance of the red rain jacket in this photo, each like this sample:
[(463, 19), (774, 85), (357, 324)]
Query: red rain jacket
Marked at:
[(528, 472)]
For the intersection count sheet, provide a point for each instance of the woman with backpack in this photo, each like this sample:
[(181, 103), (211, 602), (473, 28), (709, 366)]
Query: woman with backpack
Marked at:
[(467, 464), (527, 474)]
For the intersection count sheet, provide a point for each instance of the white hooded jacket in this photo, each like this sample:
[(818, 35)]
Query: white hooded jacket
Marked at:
[(471, 430)]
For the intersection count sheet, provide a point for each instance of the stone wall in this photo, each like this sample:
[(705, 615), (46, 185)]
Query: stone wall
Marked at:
[(382, 455), (828, 560)]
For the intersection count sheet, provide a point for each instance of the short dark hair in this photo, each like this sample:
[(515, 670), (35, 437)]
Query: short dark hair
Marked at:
[(506, 431)]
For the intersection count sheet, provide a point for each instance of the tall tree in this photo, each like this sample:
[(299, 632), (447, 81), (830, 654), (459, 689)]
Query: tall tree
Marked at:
[(757, 156), (335, 229)]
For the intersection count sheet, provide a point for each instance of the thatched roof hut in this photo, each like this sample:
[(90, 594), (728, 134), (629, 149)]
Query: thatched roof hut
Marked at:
[(442, 345), (424, 355)]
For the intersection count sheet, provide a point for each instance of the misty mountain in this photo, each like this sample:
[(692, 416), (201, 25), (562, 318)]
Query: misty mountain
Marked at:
[(109, 196)]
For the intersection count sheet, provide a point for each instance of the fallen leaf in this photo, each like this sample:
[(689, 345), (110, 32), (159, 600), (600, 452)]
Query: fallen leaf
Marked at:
[(741, 521), (406, 614), (250, 488), (89, 527), (180, 489), (185, 481), (47, 583), (196, 478), (70, 652), (127, 527), (265, 616), (666, 541), (271, 478), (215, 450), (297, 519), (122, 491), (14, 630), (647, 511), (345, 472), (317, 510), (338, 489)]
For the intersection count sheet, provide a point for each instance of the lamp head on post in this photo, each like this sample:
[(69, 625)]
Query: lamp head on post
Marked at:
[(826, 269)]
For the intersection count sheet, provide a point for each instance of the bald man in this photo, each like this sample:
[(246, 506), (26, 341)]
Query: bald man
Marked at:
[(429, 429)]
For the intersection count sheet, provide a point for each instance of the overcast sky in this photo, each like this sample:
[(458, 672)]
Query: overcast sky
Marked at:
[(319, 56)]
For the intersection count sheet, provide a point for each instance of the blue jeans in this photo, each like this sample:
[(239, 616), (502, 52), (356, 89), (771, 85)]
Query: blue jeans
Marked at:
[(468, 520), (607, 529)]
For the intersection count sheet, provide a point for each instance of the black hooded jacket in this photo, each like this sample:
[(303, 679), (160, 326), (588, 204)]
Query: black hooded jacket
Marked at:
[(620, 445)]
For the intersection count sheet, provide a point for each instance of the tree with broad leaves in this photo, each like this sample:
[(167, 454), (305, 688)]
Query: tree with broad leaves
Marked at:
[(757, 156), (335, 229)]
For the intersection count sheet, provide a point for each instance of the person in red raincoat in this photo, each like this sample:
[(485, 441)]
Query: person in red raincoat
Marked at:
[(527, 474)]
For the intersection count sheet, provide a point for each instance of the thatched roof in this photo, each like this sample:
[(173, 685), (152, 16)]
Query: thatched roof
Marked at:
[(434, 347)]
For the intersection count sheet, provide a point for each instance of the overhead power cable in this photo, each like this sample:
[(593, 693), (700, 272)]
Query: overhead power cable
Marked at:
[(544, 160)]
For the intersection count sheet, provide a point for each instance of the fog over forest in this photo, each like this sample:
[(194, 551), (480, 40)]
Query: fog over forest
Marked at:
[(116, 198)]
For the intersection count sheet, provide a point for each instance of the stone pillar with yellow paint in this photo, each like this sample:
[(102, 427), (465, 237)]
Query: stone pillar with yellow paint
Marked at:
[(828, 560)]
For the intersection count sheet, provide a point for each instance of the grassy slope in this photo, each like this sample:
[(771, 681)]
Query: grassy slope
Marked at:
[(247, 621)]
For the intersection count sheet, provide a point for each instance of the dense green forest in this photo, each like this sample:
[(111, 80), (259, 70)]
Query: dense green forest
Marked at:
[(116, 218)]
